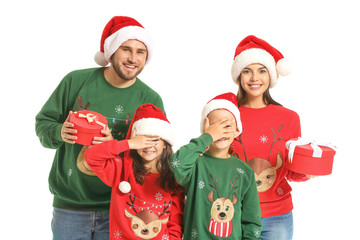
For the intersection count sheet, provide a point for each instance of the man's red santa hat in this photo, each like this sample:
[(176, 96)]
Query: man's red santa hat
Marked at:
[(148, 120), (255, 50), (118, 30)]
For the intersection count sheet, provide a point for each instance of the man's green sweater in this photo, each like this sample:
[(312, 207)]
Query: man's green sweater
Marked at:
[(86, 89)]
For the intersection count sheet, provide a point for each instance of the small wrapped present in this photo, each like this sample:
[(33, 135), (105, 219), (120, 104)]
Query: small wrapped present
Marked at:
[(310, 157), (88, 125)]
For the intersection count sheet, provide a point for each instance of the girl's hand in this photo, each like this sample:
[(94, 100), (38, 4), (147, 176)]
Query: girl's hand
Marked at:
[(141, 142), (223, 128)]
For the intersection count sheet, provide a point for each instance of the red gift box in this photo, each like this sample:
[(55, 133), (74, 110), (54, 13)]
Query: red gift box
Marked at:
[(310, 157), (88, 125)]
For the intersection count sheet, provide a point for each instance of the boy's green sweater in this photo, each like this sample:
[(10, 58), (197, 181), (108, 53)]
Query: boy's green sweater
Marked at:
[(217, 190), (86, 89)]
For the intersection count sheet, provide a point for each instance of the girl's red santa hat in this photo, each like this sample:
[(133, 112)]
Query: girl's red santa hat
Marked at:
[(255, 50), (148, 120), (117, 31), (227, 101)]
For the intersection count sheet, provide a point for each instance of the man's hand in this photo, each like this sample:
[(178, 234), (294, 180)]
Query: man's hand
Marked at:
[(67, 131), (107, 136)]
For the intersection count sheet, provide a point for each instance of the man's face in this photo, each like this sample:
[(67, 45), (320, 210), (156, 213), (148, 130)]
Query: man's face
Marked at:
[(129, 60)]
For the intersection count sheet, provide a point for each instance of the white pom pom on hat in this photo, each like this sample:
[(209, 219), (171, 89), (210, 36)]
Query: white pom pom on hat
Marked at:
[(100, 59), (117, 31), (255, 50), (124, 187), (284, 67)]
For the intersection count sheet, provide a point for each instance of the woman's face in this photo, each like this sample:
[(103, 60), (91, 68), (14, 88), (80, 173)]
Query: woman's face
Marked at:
[(255, 80)]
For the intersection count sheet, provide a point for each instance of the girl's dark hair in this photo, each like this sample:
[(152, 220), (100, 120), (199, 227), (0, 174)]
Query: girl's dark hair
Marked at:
[(242, 98), (166, 179)]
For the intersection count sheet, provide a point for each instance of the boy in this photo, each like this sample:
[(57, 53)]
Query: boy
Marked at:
[(222, 199)]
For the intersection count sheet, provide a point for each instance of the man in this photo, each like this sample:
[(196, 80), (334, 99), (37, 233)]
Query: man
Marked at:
[(81, 200)]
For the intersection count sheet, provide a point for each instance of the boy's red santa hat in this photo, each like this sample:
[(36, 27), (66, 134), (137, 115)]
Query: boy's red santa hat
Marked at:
[(148, 120), (117, 31), (255, 50), (227, 101)]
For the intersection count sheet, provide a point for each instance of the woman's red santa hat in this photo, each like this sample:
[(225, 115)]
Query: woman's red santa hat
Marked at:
[(148, 120), (253, 50), (117, 31), (227, 101)]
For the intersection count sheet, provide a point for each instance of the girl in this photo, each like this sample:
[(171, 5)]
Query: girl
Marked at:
[(146, 202), (267, 127), (222, 200)]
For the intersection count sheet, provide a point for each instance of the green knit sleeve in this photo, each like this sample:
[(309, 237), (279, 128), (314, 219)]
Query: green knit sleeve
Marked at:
[(184, 160), (49, 120)]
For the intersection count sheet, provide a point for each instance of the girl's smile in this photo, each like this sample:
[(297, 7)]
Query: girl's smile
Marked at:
[(152, 154)]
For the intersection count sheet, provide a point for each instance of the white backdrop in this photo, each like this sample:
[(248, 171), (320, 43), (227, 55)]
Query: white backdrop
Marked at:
[(195, 43)]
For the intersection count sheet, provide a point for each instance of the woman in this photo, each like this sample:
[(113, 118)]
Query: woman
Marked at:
[(266, 127)]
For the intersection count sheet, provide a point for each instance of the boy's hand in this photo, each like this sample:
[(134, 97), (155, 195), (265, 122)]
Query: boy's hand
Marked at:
[(67, 131), (220, 129), (141, 142)]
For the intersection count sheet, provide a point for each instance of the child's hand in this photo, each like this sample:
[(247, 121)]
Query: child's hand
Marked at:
[(140, 142), (223, 128)]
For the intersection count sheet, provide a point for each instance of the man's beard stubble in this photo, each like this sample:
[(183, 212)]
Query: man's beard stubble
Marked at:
[(122, 75)]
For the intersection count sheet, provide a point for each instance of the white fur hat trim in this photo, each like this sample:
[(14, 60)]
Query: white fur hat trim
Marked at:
[(155, 127), (114, 41), (251, 56)]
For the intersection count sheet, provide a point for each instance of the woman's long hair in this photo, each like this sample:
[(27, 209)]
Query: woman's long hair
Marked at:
[(166, 179), (242, 98)]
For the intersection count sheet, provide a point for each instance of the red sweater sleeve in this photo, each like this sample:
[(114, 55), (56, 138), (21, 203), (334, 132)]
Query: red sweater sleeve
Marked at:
[(296, 177), (175, 224), (103, 159)]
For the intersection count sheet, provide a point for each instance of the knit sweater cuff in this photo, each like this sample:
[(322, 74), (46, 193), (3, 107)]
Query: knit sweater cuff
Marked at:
[(206, 139)]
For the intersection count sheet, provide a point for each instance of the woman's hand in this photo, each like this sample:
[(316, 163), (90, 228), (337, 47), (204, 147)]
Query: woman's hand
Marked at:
[(311, 176)]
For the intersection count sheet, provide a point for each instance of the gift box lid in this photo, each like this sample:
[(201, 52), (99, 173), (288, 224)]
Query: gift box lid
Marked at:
[(307, 150), (88, 121), (325, 150)]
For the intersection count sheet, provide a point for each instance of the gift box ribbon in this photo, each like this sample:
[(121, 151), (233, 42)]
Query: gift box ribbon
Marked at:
[(291, 144), (91, 118)]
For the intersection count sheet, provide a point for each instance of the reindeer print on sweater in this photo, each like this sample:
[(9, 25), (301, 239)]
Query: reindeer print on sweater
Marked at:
[(146, 222), (265, 172), (222, 210)]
